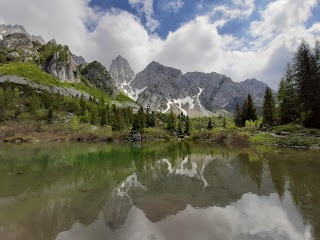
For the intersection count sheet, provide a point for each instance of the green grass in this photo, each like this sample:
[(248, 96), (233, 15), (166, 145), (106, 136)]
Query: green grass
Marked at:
[(295, 129), (29, 71), (34, 73), (293, 140)]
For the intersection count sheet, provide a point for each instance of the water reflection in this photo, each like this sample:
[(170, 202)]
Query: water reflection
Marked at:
[(251, 217), (158, 191)]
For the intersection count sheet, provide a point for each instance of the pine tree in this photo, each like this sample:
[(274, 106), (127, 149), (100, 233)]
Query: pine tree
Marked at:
[(150, 118), (269, 107), (117, 123), (172, 121), (210, 125), (180, 132), (94, 114), (50, 115), (306, 68), (288, 98), (187, 127), (103, 116), (238, 118), (139, 120), (249, 110)]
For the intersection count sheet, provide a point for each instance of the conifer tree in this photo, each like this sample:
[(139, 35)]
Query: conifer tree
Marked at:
[(103, 116), (150, 118), (172, 121), (249, 110), (238, 118), (139, 120), (269, 107), (306, 68), (288, 98), (210, 125), (187, 127), (50, 115)]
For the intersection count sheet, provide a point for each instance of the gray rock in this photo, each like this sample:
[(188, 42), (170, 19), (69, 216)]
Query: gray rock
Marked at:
[(63, 66), (52, 41), (16, 40), (13, 55), (121, 71), (79, 60), (97, 74), (135, 136), (38, 39), (19, 47), (6, 30)]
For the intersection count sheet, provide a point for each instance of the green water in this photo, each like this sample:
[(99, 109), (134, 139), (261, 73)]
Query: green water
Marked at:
[(158, 191)]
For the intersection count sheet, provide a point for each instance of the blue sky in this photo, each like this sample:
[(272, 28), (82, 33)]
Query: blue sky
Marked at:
[(170, 18), (239, 38)]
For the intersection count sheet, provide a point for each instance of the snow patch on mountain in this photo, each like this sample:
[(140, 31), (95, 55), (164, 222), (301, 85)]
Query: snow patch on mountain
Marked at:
[(168, 106), (223, 106), (185, 100)]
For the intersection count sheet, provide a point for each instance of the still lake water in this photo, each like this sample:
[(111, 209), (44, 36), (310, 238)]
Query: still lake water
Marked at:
[(175, 191)]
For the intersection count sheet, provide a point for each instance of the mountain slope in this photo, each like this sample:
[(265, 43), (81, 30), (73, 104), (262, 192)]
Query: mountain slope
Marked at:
[(53, 67), (163, 88)]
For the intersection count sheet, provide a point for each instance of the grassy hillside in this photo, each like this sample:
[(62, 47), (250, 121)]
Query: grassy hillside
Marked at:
[(34, 73)]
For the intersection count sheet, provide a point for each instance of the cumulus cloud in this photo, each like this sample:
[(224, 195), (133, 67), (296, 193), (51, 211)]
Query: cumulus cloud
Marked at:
[(195, 46)]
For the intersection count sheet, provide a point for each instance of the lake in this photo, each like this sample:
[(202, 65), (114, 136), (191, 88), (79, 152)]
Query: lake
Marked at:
[(157, 191)]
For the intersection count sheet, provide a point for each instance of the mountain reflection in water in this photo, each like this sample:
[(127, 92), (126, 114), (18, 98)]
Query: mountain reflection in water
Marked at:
[(158, 191)]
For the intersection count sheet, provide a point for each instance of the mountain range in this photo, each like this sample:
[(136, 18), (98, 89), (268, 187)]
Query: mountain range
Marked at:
[(157, 87), (162, 88)]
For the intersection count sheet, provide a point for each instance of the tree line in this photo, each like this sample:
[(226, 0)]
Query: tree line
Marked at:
[(298, 96), (21, 102)]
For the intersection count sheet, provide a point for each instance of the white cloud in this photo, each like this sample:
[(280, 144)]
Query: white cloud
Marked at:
[(146, 7), (195, 46), (282, 16), (60, 19), (238, 9), (173, 5)]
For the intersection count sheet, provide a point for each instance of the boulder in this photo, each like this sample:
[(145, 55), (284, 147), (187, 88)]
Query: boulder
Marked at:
[(135, 136)]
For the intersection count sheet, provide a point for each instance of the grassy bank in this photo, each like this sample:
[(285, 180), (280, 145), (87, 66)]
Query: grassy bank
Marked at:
[(291, 135), (34, 131)]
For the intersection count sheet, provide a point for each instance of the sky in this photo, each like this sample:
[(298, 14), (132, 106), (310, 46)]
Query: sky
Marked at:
[(242, 39)]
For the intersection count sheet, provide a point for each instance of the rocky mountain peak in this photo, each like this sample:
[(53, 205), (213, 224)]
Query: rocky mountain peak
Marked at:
[(79, 60), (120, 70), (98, 75), (6, 30)]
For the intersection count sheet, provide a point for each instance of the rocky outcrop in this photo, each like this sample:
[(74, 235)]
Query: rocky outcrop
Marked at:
[(98, 75), (6, 30), (19, 47), (62, 66), (121, 71), (79, 60)]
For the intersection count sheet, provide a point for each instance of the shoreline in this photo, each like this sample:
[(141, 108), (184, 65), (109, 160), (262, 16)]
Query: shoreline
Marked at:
[(79, 139)]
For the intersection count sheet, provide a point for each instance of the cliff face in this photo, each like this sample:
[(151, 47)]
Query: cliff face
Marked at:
[(63, 66), (98, 75), (18, 47), (120, 71)]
